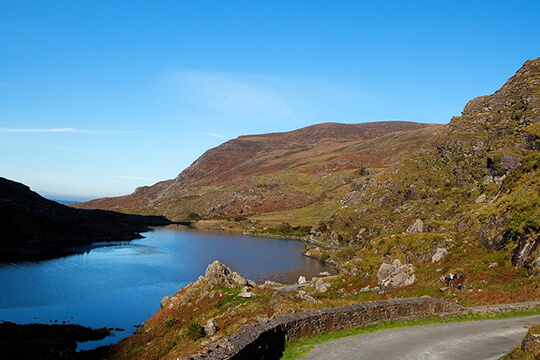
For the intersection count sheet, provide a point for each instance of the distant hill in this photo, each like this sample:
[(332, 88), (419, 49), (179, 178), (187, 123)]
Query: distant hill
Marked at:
[(34, 227), (66, 202), (260, 174)]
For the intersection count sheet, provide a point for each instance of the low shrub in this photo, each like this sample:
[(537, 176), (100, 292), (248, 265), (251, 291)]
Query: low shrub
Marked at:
[(170, 321), (195, 331)]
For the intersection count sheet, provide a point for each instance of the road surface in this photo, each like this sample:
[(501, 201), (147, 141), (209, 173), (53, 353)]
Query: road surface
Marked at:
[(475, 340)]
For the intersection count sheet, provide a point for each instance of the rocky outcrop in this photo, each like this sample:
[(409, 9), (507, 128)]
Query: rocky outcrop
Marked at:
[(321, 286), (439, 255), (304, 296), (395, 275), (494, 234), (221, 275), (530, 342), (527, 252), (216, 274), (417, 227), (246, 293), (210, 329)]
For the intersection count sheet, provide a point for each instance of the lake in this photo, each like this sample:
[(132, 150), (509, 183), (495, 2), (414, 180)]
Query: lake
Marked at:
[(120, 285)]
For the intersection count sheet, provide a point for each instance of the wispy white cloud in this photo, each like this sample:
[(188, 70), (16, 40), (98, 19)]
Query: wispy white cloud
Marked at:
[(59, 130), (63, 130), (235, 93), (212, 134), (109, 132), (131, 177)]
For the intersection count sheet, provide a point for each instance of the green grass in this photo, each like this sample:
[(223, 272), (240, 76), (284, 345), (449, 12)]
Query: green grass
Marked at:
[(297, 348)]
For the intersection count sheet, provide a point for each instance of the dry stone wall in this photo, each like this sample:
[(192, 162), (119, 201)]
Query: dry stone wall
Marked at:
[(267, 339)]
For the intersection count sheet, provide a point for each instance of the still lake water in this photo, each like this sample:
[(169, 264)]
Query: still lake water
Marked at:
[(121, 285)]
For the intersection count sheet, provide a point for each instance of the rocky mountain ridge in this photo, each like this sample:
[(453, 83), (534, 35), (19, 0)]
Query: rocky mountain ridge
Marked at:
[(475, 179)]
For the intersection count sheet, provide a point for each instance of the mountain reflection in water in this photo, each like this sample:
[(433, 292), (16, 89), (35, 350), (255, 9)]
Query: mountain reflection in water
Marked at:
[(121, 284)]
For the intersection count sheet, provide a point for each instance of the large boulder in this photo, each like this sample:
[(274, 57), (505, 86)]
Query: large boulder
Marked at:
[(439, 255), (302, 295), (246, 293), (395, 275), (321, 286), (165, 301), (221, 275), (417, 227), (210, 329)]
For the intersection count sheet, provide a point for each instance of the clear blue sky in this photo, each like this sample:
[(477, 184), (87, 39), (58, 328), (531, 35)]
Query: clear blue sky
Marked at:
[(99, 97)]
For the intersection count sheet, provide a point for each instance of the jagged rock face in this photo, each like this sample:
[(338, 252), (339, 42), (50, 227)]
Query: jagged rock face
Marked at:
[(494, 235), (475, 157), (527, 252), (535, 267)]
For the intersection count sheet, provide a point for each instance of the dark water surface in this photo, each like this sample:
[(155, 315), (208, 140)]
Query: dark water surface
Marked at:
[(121, 285)]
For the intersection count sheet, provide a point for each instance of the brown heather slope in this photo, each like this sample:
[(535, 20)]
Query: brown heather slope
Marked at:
[(258, 174)]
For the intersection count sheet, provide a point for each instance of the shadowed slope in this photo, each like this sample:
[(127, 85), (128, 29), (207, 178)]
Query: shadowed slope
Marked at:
[(34, 227)]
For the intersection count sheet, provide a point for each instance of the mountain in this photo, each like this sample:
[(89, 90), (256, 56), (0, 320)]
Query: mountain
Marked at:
[(400, 206), (476, 179), (473, 179), (260, 174), (34, 227)]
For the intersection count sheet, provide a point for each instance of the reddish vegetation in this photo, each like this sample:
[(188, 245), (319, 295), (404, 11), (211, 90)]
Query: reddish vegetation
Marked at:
[(227, 169), (172, 341)]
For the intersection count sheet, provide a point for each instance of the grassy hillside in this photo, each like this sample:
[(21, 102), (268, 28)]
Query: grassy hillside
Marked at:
[(474, 181), (263, 174), (461, 198)]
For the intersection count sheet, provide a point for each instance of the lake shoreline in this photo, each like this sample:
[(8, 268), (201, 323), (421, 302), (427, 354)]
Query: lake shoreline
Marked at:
[(84, 288)]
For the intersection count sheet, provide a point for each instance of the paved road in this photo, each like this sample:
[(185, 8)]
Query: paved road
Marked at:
[(476, 340)]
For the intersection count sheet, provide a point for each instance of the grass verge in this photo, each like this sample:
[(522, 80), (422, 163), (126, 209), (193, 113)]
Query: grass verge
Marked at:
[(295, 349)]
